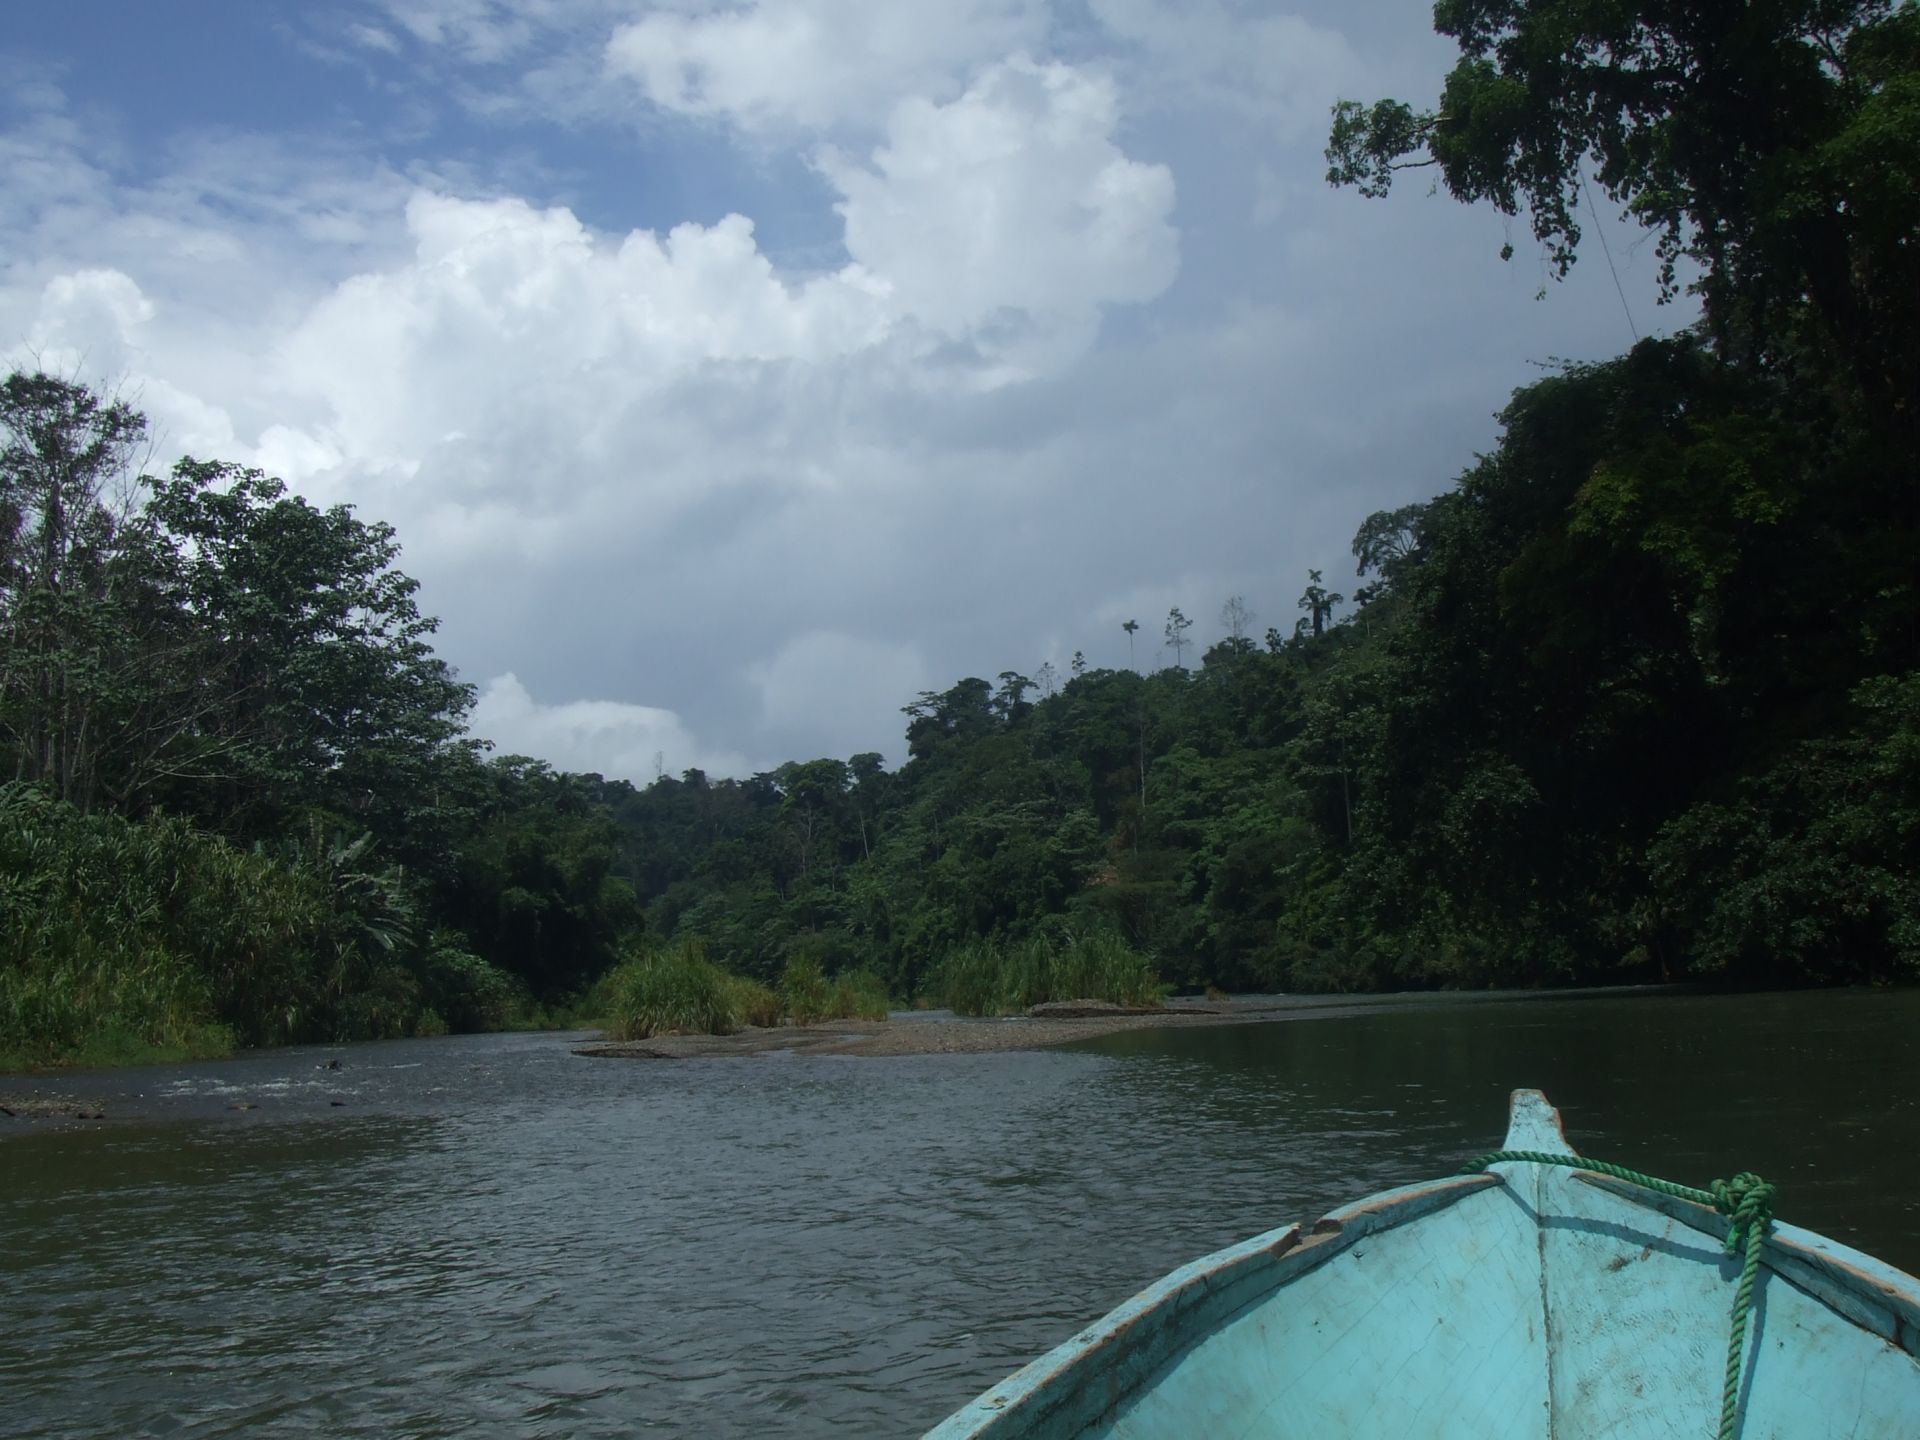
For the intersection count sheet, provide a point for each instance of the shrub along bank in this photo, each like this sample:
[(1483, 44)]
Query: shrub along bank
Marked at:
[(124, 941), (678, 990)]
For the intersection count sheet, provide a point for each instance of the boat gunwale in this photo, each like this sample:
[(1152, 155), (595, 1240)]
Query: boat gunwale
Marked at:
[(1868, 1293), (1231, 1280)]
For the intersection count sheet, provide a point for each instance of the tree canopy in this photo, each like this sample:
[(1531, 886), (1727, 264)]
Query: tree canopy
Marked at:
[(1774, 147)]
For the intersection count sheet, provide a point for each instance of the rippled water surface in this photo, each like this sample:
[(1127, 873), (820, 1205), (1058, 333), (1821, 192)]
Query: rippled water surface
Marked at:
[(490, 1236)]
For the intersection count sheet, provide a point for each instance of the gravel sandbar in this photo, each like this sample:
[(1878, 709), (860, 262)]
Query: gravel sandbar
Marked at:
[(912, 1034)]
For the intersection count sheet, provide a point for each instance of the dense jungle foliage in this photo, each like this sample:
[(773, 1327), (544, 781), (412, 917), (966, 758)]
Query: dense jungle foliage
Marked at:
[(1636, 697)]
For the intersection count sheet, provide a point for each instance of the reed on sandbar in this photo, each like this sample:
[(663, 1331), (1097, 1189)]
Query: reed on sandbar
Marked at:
[(810, 995), (677, 990), (987, 977), (859, 995), (755, 1004), (803, 990), (667, 992)]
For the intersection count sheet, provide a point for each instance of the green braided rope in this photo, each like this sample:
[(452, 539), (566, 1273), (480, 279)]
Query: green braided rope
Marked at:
[(1747, 1202)]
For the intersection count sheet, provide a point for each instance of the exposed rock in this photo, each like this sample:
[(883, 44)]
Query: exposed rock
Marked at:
[(47, 1106), (1091, 1010), (624, 1050)]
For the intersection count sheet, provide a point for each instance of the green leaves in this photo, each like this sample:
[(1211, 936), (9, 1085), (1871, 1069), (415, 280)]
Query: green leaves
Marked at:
[(1369, 143), (1807, 870), (327, 690), (1769, 145)]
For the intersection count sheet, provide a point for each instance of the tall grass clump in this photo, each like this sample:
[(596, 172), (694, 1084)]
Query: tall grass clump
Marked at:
[(987, 977), (755, 1004), (666, 992), (1101, 966), (858, 995), (804, 991), (991, 977)]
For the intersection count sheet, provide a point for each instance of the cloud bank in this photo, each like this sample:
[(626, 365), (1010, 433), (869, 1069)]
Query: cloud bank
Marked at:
[(994, 324)]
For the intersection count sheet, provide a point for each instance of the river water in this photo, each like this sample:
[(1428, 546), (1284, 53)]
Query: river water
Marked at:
[(489, 1236)]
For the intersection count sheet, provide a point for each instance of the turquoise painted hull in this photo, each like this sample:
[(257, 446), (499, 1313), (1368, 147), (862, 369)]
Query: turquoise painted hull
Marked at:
[(1531, 1301)]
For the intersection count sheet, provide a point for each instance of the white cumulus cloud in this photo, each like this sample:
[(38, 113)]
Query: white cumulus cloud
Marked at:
[(815, 64), (1281, 68), (1010, 205), (611, 737), (986, 235), (509, 314), (837, 689), (637, 459), (89, 319)]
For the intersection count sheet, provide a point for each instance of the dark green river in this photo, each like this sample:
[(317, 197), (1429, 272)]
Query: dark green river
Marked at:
[(489, 1236)]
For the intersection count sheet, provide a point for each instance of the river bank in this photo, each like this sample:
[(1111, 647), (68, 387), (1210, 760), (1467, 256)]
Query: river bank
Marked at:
[(913, 1034), (943, 1033), (308, 1082)]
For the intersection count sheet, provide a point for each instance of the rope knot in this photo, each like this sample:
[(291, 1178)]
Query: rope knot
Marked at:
[(1747, 1202)]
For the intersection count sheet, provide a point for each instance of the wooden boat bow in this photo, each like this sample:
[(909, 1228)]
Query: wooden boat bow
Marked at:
[(1529, 1301)]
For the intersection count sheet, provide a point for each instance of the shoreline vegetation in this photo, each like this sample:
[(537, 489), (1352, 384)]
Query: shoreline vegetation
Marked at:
[(921, 1033), (36, 1101), (680, 992), (1057, 1023)]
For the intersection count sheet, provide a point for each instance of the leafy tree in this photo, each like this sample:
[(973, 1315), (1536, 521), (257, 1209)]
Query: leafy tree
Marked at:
[(960, 713), (1237, 618), (1776, 146), (1318, 602), (330, 694), (1177, 627), (1384, 544), (1009, 701), (536, 885), (1130, 626), (815, 796), (69, 679), (1805, 870)]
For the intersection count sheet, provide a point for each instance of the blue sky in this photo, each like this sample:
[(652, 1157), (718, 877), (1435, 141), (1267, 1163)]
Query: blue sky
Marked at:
[(734, 371)]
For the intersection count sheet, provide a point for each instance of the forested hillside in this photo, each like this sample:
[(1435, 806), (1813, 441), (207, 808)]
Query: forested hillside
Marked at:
[(1635, 697), (1563, 733)]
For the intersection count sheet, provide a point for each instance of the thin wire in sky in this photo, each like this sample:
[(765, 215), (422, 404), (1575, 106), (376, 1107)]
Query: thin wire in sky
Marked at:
[(1607, 250)]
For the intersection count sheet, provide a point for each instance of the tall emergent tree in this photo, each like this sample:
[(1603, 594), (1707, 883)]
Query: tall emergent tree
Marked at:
[(1177, 627), (1238, 620), (65, 609), (1319, 604), (1383, 544)]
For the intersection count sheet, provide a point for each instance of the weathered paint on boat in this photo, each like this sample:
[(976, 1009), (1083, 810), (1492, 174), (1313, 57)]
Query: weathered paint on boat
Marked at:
[(1531, 1301)]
